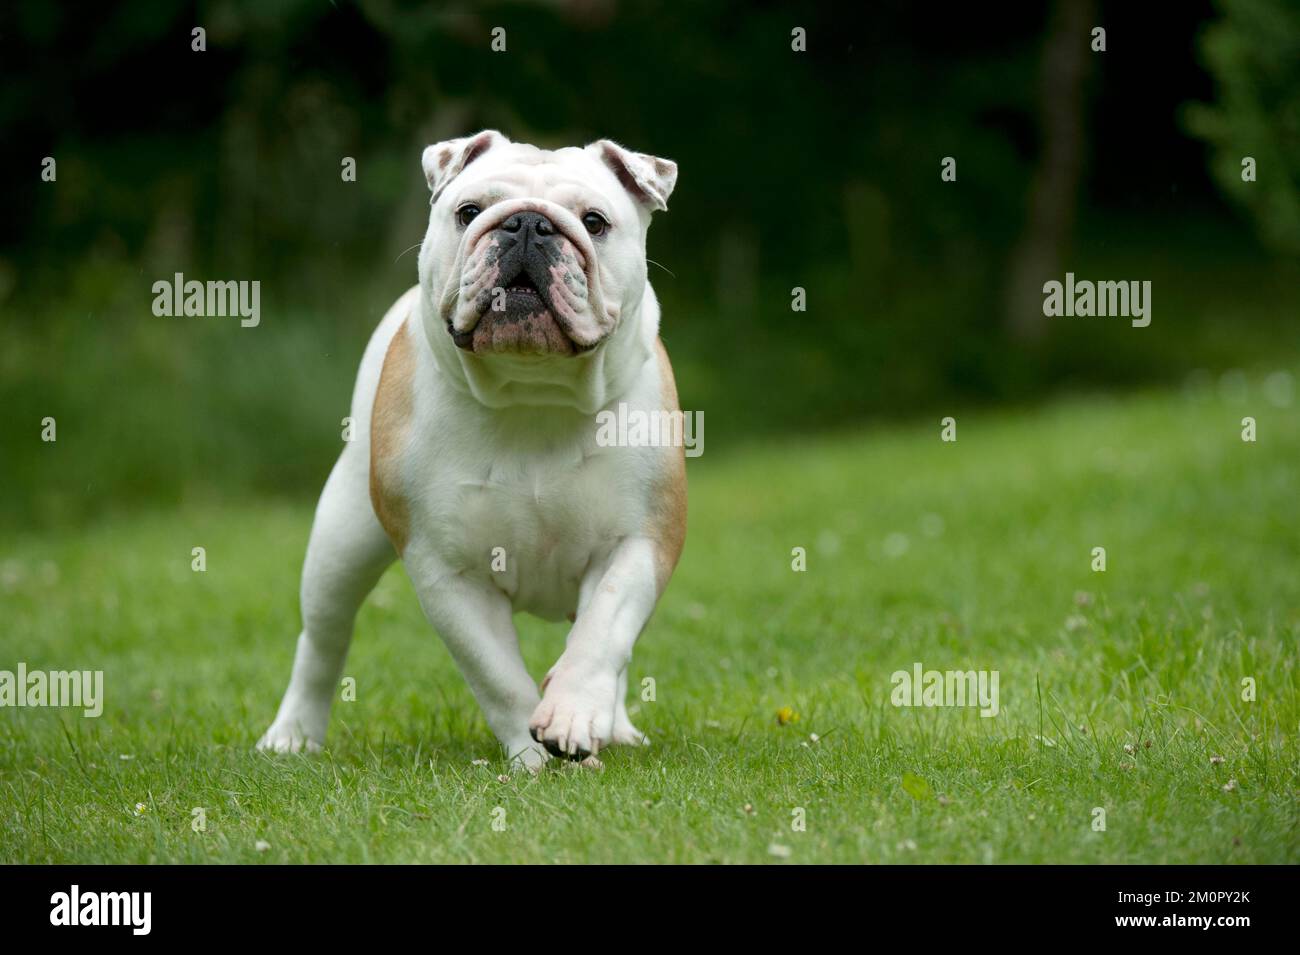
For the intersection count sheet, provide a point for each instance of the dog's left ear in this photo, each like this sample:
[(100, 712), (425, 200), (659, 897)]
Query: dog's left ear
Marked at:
[(444, 161), (649, 179)]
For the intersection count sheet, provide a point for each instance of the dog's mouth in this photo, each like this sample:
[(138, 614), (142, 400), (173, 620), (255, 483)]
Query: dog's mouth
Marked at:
[(517, 318), (523, 291)]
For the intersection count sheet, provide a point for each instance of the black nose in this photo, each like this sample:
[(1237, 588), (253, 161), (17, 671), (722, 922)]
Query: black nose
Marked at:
[(526, 222)]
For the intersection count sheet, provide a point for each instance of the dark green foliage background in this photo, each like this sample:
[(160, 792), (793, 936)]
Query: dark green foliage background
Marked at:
[(818, 170)]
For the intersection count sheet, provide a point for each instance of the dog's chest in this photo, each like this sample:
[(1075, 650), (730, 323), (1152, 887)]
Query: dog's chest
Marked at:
[(531, 523)]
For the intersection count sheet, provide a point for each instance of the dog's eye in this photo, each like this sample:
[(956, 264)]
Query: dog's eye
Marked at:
[(466, 213), (595, 222)]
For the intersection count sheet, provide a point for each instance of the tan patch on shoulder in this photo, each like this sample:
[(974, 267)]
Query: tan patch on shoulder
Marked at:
[(390, 419), (667, 525)]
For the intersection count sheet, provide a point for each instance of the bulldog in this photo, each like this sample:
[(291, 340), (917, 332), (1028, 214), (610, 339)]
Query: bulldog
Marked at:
[(475, 457)]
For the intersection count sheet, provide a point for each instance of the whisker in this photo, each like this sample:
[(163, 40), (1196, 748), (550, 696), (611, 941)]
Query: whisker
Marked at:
[(404, 251), (665, 268)]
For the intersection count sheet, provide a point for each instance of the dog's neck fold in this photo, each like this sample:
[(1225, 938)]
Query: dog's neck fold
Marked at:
[(585, 383)]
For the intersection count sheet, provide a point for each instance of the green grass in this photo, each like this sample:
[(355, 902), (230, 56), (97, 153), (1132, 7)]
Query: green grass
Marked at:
[(1117, 688)]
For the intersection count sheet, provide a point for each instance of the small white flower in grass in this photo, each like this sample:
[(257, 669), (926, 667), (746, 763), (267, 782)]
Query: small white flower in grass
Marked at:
[(814, 738), (503, 778), (1279, 389), (1130, 748), (907, 845), (1216, 760), (1233, 386), (141, 809), (896, 545), (1230, 785), (749, 808), (778, 850), (828, 543), (479, 762), (125, 756), (261, 845)]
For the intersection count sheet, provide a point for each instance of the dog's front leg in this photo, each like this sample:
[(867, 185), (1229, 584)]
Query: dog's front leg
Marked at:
[(577, 714), (474, 620)]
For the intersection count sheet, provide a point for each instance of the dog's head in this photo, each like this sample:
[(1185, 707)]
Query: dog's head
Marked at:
[(537, 253)]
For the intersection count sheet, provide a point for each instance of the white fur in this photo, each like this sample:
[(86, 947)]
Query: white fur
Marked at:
[(501, 452)]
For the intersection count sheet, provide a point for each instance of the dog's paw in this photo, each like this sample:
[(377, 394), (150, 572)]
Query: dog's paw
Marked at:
[(287, 738), (527, 755), (576, 716), (625, 734)]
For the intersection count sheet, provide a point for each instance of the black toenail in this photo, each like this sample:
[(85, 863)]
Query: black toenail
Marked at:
[(558, 753)]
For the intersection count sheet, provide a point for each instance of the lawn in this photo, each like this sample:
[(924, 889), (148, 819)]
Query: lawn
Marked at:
[(1119, 690)]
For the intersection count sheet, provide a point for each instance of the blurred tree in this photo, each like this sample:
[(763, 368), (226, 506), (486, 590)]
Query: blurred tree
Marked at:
[(1054, 192), (1254, 54)]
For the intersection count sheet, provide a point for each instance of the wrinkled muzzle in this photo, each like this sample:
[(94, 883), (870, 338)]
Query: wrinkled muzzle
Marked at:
[(527, 284)]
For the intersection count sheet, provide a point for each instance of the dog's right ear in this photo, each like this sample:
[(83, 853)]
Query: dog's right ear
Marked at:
[(444, 161)]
